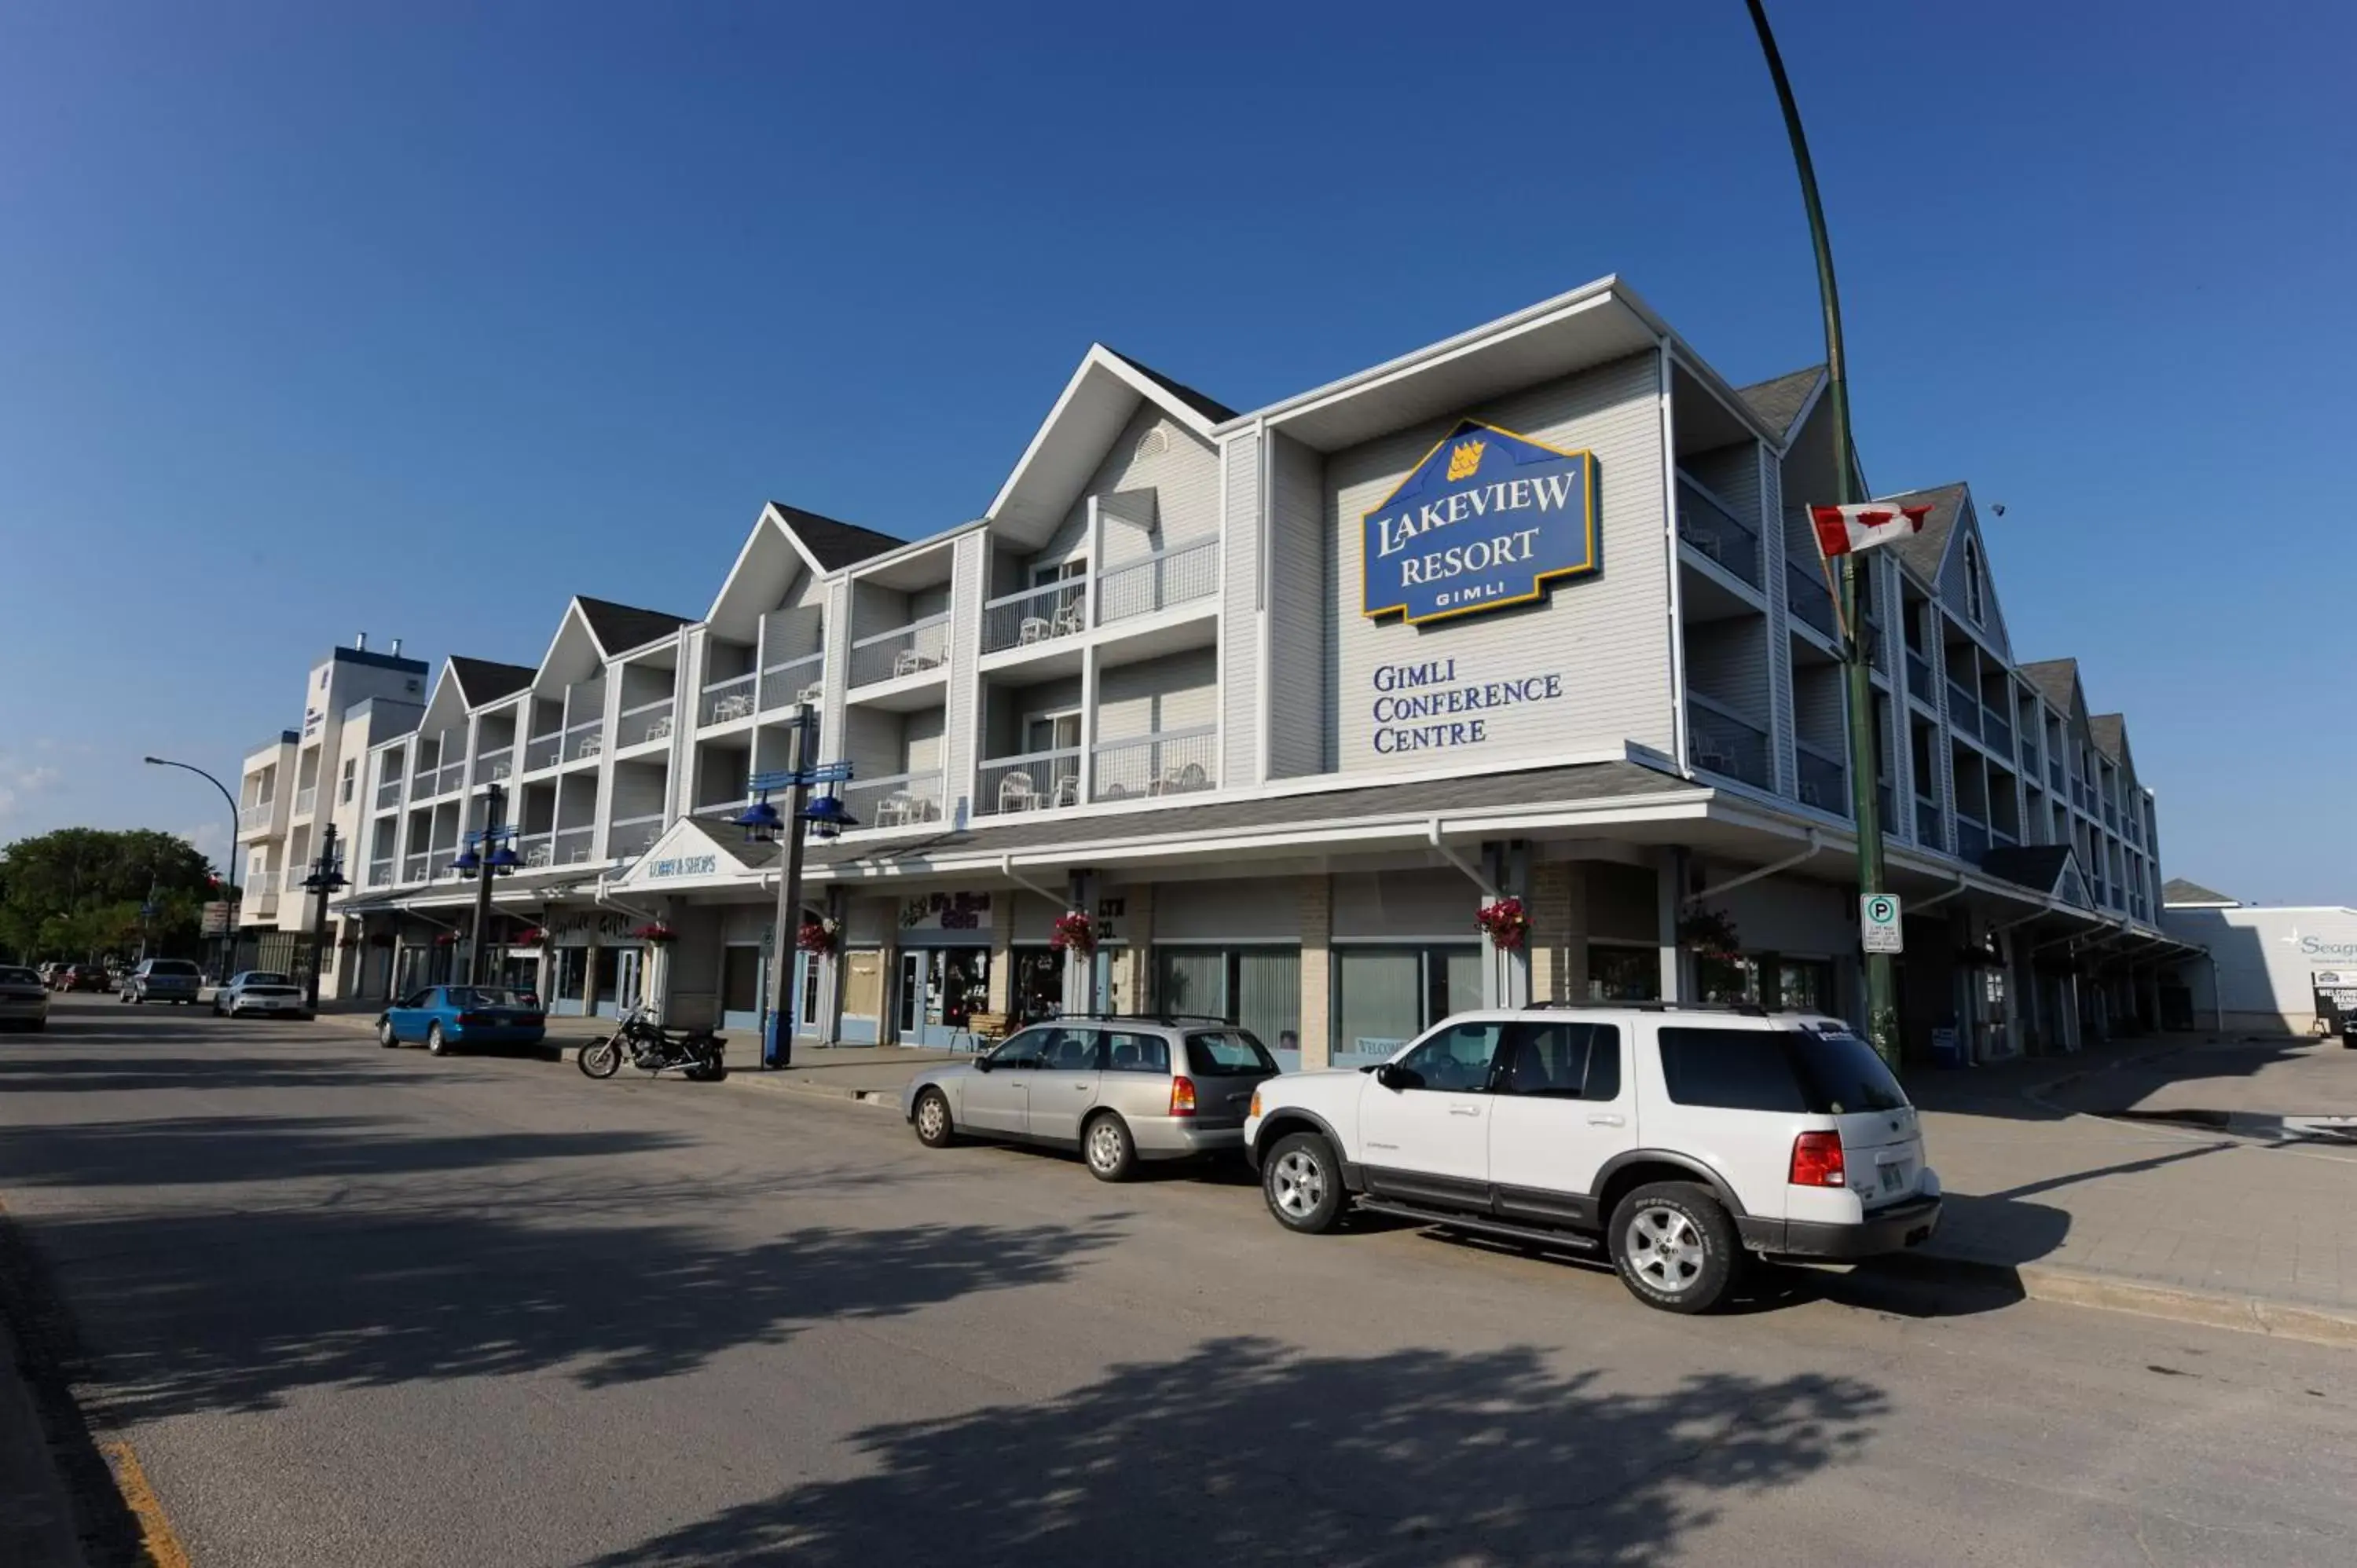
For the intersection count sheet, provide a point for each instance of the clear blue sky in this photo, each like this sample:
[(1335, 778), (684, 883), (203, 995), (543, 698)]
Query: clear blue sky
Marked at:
[(311, 316)]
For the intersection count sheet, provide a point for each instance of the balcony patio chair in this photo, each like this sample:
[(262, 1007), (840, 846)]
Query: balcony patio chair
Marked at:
[(539, 855), (1067, 620), (893, 810), (1708, 755), (913, 662), (591, 745), (812, 693), (659, 729), (1182, 779), (1067, 792), (1708, 545), (736, 705), (1034, 629), (1015, 793)]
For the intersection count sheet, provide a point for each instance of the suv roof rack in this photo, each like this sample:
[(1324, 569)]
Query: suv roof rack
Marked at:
[(1739, 1009), (1157, 1017)]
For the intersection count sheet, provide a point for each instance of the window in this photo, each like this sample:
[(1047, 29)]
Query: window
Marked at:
[(1051, 732), (1624, 973), (1840, 1074), (1075, 1050), (1735, 1069), (1258, 989), (1384, 996), (352, 775), (1138, 1053), (1027, 1049), (1565, 1060), (1975, 587), (1227, 1053), (1061, 572), (1455, 1061)]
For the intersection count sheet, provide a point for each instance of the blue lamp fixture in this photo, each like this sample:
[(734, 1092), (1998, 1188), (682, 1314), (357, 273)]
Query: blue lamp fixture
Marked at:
[(827, 817), (764, 823)]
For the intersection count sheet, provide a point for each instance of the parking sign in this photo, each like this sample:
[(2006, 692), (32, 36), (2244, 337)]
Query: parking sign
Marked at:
[(1877, 922)]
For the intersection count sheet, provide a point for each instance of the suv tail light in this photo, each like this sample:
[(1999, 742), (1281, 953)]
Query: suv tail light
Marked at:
[(1817, 1160), (1182, 1096)]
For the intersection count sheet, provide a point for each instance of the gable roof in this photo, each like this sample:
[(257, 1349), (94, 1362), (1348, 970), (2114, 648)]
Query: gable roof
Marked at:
[(1927, 548), (2050, 868), (1779, 401), (620, 628), (482, 681), (834, 544), (2177, 890), (1209, 408), (2057, 680), (2110, 733)]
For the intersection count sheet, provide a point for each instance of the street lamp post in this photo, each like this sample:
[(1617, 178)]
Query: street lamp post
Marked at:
[(762, 824), (229, 855), (490, 854), (326, 876), (1865, 765)]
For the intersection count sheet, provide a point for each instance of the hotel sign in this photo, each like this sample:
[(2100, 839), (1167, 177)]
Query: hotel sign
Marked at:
[(1485, 521)]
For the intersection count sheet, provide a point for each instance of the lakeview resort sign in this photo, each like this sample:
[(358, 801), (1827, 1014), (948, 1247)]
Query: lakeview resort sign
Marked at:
[(1485, 521)]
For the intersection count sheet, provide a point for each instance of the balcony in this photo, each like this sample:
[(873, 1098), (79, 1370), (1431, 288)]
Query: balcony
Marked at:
[(897, 799), (801, 679), (1035, 615), (496, 768), (2110, 816), (584, 741), (544, 751), (631, 837), (388, 794), (912, 649), (1718, 740), (1964, 711), (417, 868), (1997, 731), (643, 725), (1806, 593), (305, 799), (1168, 762), (1972, 839), (1927, 824), (379, 872), (2054, 774), (1179, 574), (1824, 780), (537, 851), (292, 881), (1919, 679), (1712, 531), (260, 903), (726, 702), (256, 818), (429, 782), (572, 846), (1037, 782)]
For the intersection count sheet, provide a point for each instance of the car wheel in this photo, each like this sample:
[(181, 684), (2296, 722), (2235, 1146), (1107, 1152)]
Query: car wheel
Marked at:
[(1674, 1245), (1302, 1180), (1111, 1152), (935, 1129), (384, 1034), (435, 1044)]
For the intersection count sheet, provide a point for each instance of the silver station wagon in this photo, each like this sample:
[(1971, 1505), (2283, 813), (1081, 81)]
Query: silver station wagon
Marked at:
[(1117, 1089)]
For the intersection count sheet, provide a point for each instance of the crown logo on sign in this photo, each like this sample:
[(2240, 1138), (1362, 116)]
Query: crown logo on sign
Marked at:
[(1465, 457)]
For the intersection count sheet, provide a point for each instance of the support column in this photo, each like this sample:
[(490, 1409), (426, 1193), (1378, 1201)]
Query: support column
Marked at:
[(1317, 972), (1669, 893), (1134, 972), (827, 1024), (1506, 972), (590, 971), (1558, 906), (1080, 967), (1000, 993)]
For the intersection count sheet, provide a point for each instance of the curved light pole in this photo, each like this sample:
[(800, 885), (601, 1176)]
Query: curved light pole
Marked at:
[(229, 855)]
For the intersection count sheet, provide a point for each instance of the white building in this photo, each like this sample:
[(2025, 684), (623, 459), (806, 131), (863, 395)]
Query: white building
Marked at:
[(2264, 970), (1280, 699)]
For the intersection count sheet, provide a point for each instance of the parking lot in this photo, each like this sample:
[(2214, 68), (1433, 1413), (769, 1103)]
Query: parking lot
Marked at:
[(360, 1306)]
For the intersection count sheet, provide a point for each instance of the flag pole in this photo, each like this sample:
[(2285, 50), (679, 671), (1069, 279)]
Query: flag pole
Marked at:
[(1881, 1006)]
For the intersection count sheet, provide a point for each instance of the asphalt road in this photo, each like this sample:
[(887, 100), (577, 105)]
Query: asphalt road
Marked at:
[(353, 1306)]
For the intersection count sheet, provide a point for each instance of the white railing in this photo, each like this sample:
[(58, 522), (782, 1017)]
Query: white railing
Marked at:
[(1177, 576), (381, 873), (537, 850), (911, 649), (629, 837), (304, 798), (801, 679), (257, 815), (573, 845), (417, 868), (1040, 780), (429, 782), (544, 751), (1169, 762), (585, 740), (727, 700), (388, 794), (497, 768), (293, 879), (1036, 614), (260, 904), (647, 722), (896, 801)]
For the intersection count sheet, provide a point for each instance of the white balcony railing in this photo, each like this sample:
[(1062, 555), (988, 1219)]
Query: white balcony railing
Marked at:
[(259, 904), (572, 846), (388, 794), (1169, 762), (646, 723), (727, 700), (896, 801), (417, 868), (801, 679), (909, 650), (305, 799), (538, 850), (379, 872), (544, 751), (257, 815), (1177, 576), (1035, 615), (585, 740), (629, 837), (1038, 781), (497, 767)]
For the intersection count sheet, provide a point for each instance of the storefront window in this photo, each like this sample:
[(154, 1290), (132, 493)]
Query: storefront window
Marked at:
[(1384, 996), (1038, 984), (1724, 977), (1257, 988), (740, 985), (1624, 973), (1805, 985)]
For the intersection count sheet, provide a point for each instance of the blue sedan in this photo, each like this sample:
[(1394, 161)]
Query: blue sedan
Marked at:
[(446, 1018)]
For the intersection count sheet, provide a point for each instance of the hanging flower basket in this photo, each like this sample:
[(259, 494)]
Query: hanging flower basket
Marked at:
[(529, 937), (447, 939), (1074, 931), (1708, 932), (1505, 922), (818, 937), (654, 932)]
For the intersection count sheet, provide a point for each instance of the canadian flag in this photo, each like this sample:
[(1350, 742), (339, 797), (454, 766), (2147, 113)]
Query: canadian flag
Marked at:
[(1842, 529)]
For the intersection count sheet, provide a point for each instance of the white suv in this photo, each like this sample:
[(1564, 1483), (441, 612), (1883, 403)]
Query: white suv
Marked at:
[(1675, 1137)]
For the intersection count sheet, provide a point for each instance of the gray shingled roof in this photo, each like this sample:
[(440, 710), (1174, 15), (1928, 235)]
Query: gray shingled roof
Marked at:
[(836, 545), (2110, 733), (2056, 679), (620, 628), (2177, 890), (1778, 402), (2038, 866), (484, 680), (1925, 550), (1208, 407)]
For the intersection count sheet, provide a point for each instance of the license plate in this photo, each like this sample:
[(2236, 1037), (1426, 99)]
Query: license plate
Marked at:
[(1894, 1178)]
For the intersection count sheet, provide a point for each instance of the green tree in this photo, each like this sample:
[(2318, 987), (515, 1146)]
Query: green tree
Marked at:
[(75, 894)]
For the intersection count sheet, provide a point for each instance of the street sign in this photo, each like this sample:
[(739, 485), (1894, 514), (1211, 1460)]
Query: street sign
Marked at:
[(216, 917), (1877, 922)]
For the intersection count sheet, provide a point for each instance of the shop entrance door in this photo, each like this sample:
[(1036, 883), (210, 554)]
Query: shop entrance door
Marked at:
[(936, 993)]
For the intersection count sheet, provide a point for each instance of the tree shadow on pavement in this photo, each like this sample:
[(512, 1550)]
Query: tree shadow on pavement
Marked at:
[(75, 1075), (1243, 1451)]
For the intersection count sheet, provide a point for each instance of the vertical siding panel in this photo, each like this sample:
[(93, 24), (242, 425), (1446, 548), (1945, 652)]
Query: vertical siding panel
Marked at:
[(1301, 640), (1240, 717)]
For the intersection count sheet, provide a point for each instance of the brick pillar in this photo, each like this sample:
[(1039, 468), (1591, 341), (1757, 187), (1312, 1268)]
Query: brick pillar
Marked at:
[(1135, 971), (1002, 954), (1559, 931), (1317, 972)]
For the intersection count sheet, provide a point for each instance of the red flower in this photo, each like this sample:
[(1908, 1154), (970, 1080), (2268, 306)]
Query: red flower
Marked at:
[(656, 932), (1075, 931), (1505, 922)]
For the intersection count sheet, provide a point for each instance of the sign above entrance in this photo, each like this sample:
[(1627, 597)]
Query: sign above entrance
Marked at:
[(1484, 522), (1877, 922)]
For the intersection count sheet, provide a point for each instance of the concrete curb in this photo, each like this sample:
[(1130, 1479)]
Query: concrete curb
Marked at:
[(2059, 1284)]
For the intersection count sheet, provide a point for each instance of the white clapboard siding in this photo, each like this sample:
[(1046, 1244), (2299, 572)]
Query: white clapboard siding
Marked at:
[(1300, 719), (1158, 482), (1177, 691), (1239, 583)]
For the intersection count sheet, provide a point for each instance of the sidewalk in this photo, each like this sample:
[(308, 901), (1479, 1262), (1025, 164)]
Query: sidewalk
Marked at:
[(36, 1522), (2044, 1179)]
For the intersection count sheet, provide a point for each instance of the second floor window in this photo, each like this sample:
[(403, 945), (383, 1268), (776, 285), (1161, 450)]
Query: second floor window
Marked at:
[(352, 775)]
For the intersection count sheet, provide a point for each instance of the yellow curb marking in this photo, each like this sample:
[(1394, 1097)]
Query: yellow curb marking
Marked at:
[(163, 1548)]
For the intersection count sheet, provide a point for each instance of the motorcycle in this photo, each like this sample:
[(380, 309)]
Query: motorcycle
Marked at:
[(696, 1053)]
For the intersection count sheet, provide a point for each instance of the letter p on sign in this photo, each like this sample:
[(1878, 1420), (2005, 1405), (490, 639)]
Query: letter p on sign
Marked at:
[(1877, 922)]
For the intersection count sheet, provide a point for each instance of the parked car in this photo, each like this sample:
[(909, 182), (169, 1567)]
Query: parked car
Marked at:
[(1673, 1139), (163, 980), (448, 1017), (24, 1000), (1119, 1089), (260, 991), (77, 977)]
